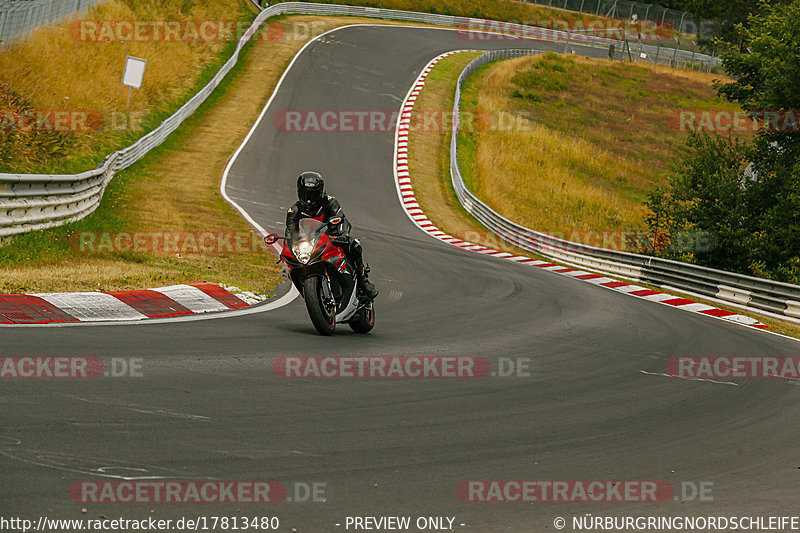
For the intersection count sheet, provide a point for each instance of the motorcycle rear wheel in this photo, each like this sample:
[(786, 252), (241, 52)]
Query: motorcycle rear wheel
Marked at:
[(364, 320)]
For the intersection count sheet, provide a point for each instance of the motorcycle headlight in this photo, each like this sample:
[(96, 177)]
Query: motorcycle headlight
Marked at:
[(302, 251)]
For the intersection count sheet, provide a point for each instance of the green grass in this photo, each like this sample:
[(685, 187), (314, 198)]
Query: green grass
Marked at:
[(465, 141)]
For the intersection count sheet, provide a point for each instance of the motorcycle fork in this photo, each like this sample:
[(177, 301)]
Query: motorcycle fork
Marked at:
[(326, 290)]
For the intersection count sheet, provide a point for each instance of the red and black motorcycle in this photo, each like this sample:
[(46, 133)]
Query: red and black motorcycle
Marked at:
[(325, 278)]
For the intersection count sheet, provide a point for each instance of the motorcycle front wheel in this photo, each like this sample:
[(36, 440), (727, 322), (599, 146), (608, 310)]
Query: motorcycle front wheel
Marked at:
[(323, 318)]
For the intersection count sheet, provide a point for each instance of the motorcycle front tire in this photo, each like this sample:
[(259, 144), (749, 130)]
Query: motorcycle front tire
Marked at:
[(323, 319)]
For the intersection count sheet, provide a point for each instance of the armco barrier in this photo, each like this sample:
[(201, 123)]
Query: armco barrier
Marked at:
[(31, 201), (755, 293)]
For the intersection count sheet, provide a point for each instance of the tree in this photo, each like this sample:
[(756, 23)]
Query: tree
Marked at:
[(755, 215), (767, 77), (721, 17), (705, 199), (661, 221)]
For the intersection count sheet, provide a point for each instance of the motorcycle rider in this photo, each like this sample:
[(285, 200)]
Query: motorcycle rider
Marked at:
[(314, 203)]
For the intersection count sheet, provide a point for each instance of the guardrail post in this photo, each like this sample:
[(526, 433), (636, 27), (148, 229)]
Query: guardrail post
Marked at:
[(675, 53), (627, 45)]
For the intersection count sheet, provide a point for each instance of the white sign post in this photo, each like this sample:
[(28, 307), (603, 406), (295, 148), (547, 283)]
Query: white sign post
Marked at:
[(133, 75)]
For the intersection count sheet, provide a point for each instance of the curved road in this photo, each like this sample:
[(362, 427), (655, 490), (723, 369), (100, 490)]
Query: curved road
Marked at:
[(208, 405)]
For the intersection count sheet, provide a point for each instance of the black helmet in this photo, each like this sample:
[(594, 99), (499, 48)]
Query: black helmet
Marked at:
[(310, 188)]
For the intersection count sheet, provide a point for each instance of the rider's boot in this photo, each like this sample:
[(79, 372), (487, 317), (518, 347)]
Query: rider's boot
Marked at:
[(363, 281)]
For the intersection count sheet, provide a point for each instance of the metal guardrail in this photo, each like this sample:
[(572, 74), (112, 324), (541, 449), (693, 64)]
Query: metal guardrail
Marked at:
[(19, 17), (32, 202), (636, 50), (748, 291)]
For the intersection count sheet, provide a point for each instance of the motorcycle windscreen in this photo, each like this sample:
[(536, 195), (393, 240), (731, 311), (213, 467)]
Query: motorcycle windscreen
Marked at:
[(306, 230)]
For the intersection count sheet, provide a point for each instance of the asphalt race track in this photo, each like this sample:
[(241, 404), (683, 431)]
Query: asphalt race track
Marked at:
[(209, 407)]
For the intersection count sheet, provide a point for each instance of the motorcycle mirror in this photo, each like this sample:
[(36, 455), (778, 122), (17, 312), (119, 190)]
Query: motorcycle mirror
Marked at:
[(336, 220), (271, 238)]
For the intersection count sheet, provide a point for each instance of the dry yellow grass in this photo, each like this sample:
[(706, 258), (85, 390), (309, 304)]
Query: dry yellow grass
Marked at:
[(705, 78), (64, 68), (541, 182), (108, 273), (90, 274), (57, 70), (590, 139)]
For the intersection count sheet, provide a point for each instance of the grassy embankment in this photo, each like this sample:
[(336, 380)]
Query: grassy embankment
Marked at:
[(591, 139)]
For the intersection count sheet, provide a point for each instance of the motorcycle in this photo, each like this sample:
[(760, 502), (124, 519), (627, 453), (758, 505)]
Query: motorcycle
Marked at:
[(325, 278)]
